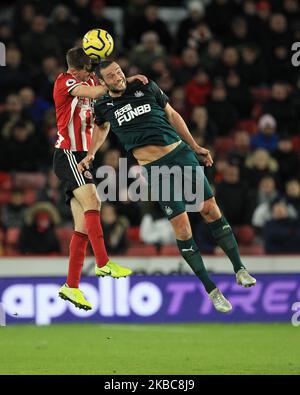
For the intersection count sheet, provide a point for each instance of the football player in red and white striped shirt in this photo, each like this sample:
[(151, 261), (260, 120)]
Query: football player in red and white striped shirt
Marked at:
[(74, 92)]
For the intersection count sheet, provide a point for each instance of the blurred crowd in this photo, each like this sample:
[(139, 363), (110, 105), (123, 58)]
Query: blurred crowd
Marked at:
[(226, 67)]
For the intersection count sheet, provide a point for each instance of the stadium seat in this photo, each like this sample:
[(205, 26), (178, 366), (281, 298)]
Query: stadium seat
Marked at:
[(12, 237), (245, 235), (64, 235), (133, 234), (29, 180), (261, 94), (5, 180), (247, 124), (142, 250), (4, 196), (223, 145), (169, 250), (30, 196)]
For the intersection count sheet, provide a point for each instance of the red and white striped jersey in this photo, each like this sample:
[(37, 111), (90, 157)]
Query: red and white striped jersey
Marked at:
[(74, 115)]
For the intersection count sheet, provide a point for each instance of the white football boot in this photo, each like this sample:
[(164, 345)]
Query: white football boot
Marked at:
[(244, 279), (219, 301)]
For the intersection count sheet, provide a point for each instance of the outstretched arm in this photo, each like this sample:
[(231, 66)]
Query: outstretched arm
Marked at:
[(182, 130), (93, 92), (99, 135)]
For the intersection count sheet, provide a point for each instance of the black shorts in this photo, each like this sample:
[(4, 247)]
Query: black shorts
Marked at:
[(65, 168)]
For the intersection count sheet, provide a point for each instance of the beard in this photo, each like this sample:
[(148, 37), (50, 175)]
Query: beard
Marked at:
[(117, 89)]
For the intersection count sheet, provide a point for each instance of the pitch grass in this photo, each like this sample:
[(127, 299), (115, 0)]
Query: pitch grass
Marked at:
[(150, 349)]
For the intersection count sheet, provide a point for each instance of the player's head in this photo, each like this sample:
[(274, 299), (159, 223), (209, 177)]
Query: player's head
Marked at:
[(111, 75), (79, 64)]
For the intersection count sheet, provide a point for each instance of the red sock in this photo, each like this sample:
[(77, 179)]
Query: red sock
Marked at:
[(95, 233), (78, 246)]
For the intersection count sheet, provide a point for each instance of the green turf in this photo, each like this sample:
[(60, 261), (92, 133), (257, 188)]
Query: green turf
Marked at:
[(151, 349)]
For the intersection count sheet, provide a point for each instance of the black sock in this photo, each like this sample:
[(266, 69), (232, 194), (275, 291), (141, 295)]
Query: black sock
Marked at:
[(190, 253), (224, 237)]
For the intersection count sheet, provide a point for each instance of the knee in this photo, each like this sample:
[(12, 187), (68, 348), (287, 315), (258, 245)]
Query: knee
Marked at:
[(92, 202), (210, 210), (183, 231)]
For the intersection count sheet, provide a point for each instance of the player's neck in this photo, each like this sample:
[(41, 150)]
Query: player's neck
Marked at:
[(115, 94)]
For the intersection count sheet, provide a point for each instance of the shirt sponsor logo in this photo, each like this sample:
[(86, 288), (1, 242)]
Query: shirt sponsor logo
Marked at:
[(127, 113)]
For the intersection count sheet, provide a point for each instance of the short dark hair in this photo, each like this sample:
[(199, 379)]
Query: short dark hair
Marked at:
[(77, 58), (101, 66)]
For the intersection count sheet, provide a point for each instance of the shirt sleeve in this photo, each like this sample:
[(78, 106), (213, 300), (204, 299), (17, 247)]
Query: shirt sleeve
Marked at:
[(67, 84), (161, 98)]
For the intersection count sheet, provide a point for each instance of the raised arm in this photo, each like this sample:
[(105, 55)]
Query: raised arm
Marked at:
[(93, 92), (182, 130), (99, 135)]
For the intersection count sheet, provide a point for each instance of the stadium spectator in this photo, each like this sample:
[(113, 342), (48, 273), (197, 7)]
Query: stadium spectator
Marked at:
[(39, 43), (266, 137), (253, 70), (24, 150), (62, 23), (281, 233), (98, 19), (240, 34), (211, 57), (264, 212), (23, 18), (149, 21), (45, 78), (34, 107), (155, 229), (188, 66), (239, 95), (221, 110), (292, 190), (114, 229), (232, 196), (196, 12), (53, 193), (280, 106), (197, 90), (199, 37), (178, 101), (147, 51), (287, 159), (266, 192), (219, 15), (280, 66), (15, 75), (38, 232), (82, 11), (12, 213), (230, 61), (12, 114), (258, 165), (201, 126), (240, 151)]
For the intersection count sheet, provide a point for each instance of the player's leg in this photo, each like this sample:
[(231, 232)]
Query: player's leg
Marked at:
[(190, 252), (78, 245), (87, 196), (222, 233)]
